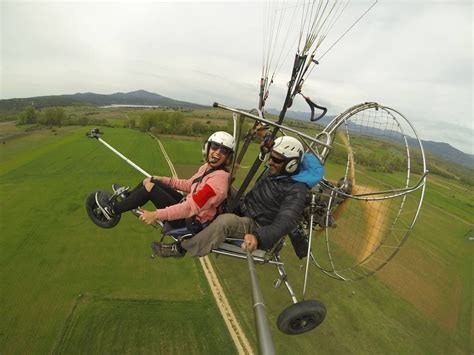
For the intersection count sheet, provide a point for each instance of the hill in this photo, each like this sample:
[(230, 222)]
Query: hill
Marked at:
[(9, 109), (138, 97), (439, 149), (448, 152)]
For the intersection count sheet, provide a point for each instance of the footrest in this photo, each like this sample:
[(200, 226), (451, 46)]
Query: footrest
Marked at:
[(228, 247)]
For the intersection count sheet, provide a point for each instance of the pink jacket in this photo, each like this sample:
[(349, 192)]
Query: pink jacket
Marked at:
[(203, 199)]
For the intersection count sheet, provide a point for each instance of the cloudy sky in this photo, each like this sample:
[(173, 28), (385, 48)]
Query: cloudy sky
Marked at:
[(414, 56)]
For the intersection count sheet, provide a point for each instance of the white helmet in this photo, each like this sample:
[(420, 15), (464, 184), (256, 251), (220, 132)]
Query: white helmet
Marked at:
[(220, 138), (292, 150)]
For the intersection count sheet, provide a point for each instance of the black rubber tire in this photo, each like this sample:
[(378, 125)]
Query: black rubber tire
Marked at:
[(95, 214), (301, 317)]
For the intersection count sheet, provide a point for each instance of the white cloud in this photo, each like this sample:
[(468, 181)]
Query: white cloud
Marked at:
[(413, 56)]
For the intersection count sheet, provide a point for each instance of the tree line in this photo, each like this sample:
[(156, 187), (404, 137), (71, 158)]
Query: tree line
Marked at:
[(155, 121), (376, 156)]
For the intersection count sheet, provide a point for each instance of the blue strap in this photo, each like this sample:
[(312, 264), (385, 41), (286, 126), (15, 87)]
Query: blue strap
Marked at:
[(311, 171)]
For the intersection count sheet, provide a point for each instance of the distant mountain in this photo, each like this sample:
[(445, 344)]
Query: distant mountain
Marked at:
[(10, 107), (303, 116), (440, 149), (139, 97), (448, 152)]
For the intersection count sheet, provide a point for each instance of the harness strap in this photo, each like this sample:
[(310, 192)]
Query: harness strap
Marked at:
[(199, 178), (192, 223)]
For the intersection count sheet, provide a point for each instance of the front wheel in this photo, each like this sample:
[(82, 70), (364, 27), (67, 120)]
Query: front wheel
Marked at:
[(96, 215), (301, 317)]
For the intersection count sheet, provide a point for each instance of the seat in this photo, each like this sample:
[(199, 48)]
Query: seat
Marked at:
[(176, 233), (231, 247)]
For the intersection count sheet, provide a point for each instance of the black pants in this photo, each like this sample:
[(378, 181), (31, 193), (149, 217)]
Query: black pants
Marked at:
[(161, 195)]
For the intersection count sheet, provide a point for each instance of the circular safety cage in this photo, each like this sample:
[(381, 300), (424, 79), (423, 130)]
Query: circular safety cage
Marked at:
[(375, 175)]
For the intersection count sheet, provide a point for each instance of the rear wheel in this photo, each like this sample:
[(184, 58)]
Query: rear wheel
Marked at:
[(95, 213), (301, 317)]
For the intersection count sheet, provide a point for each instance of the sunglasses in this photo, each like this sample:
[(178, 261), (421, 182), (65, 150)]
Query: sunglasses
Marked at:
[(276, 160), (224, 150)]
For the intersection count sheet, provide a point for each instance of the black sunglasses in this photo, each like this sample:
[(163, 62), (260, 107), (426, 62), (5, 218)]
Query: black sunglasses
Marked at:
[(276, 160), (224, 150)]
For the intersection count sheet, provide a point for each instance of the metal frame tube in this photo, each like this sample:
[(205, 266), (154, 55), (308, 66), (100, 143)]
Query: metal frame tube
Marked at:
[(311, 220), (131, 163), (274, 124), (265, 341), (284, 278), (242, 256)]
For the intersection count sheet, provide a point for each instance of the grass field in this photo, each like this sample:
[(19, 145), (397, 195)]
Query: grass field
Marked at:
[(142, 326), (51, 254), (70, 287)]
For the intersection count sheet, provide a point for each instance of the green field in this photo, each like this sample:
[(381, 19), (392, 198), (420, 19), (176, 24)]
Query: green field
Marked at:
[(70, 287)]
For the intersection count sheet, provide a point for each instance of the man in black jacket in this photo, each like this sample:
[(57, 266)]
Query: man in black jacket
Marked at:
[(270, 210)]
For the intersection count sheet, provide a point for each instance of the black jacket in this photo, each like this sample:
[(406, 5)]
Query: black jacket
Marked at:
[(276, 203)]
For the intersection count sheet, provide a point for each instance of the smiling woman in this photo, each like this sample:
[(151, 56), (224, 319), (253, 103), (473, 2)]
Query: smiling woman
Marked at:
[(206, 189)]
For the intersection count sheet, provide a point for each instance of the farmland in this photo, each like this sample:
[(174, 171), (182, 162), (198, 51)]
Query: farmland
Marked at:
[(69, 287)]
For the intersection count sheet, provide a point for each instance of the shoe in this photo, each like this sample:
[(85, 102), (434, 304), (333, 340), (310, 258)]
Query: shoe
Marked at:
[(165, 250), (104, 205), (121, 191)]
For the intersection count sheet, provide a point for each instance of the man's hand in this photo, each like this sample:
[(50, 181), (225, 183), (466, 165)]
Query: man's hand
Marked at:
[(147, 216), (250, 243)]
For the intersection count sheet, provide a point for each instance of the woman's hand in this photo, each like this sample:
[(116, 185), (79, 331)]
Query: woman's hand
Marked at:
[(147, 217), (250, 243)]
